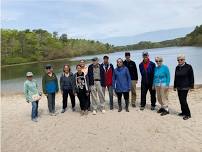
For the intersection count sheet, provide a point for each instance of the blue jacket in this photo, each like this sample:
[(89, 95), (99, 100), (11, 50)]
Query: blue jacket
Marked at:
[(161, 76), (121, 80), (148, 74), (91, 76)]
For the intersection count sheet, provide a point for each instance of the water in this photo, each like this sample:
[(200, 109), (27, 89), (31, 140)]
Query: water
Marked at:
[(13, 77)]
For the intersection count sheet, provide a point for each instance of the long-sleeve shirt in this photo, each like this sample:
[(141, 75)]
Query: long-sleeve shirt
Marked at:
[(161, 76), (30, 90)]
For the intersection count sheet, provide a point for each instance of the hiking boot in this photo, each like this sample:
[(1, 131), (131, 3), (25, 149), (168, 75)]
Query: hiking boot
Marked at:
[(164, 113), (186, 117), (142, 108)]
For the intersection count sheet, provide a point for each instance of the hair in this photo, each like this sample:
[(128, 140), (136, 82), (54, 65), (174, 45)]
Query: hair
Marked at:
[(181, 56), (105, 57), (119, 59), (82, 60), (78, 65), (67, 66), (159, 58)]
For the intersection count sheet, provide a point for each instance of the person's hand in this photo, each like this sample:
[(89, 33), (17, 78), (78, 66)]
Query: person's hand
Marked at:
[(87, 93), (62, 92), (114, 93), (46, 94), (153, 87), (75, 94), (136, 81)]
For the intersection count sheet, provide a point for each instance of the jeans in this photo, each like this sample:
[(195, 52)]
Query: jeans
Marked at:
[(51, 102), (110, 89), (65, 97), (34, 109)]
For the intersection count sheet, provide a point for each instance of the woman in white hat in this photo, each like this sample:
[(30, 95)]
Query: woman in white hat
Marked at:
[(32, 94)]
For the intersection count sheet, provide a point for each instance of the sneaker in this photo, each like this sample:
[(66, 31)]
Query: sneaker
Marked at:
[(142, 108), (103, 111), (152, 108), (34, 120), (186, 117), (127, 110), (111, 108), (181, 114), (73, 109), (94, 112), (86, 112), (164, 113), (160, 110), (63, 110)]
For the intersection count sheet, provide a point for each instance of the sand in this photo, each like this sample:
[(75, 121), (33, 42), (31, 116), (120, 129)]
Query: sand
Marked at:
[(136, 131)]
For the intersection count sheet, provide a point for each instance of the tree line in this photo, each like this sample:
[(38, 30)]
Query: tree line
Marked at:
[(39, 45)]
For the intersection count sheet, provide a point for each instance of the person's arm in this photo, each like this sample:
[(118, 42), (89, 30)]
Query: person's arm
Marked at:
[(128, 78), (167, 77), (174, 87), (135, 71), (74, 83), (26, 92), (44, 84), (56, 81), (191, 77), (114, 80), (61, 83)]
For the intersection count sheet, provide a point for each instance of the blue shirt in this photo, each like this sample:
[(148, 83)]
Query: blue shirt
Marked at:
[(161, 76)]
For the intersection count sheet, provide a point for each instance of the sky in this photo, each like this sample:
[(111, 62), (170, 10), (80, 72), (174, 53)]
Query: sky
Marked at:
[(99, 19)]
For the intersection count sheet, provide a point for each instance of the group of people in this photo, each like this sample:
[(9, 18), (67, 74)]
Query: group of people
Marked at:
[(90, 83)]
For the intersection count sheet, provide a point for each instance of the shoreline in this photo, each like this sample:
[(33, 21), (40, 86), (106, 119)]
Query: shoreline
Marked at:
[(4, 94)]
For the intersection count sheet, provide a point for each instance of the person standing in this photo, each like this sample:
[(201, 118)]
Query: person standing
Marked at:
[(32, 94), (96, 81), (147, 72), (122, 84), (108, 73), (85, 71), (50, 88), (183, 82), (161, 85), (66, 87), (134, 76), (81, 89)]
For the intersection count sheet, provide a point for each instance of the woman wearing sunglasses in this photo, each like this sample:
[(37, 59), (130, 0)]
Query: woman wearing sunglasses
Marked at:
[(161, 85), (183, 82)]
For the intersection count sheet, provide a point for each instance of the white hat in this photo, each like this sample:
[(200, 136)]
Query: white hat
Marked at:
[(29, 74)]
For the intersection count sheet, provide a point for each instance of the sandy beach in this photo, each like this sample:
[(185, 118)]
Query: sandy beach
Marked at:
[(136, 131)]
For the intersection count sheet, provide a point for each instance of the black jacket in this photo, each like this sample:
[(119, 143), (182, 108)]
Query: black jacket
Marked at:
[(184, 77), (132, 69)]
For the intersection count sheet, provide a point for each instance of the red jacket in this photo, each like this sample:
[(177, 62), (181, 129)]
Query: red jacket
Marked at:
[(108, 74)]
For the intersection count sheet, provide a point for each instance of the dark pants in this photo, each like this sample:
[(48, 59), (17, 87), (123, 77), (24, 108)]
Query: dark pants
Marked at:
[(34, 109), (51, 102), (83, 99), (126, 98), (65, 97), (182, 94), (144, 90), (88, 101)]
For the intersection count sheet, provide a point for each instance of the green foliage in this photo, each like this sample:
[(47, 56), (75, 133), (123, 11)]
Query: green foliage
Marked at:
[(40, 45)]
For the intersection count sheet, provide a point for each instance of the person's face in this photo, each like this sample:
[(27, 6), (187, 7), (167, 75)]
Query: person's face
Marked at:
[(145, 58), (66, 69), (106, 61), (82, 63), (181, 61), (49, 70), (119, 63), (30, 78), (158, 61), (79, 69), (127, 57), (95, 62)]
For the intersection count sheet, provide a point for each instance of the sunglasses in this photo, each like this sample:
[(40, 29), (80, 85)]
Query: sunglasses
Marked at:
[(180, 60), (158, 61)]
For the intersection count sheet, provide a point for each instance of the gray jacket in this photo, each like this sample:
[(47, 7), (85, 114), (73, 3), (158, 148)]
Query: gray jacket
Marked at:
[(66, 83)]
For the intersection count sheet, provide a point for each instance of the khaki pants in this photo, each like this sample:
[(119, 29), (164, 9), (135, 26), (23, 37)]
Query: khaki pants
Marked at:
[(96, 90), (133, 91), (162, 96)]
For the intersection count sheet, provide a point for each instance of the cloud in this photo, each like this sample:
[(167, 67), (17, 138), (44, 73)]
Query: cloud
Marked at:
[(95, 19)]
